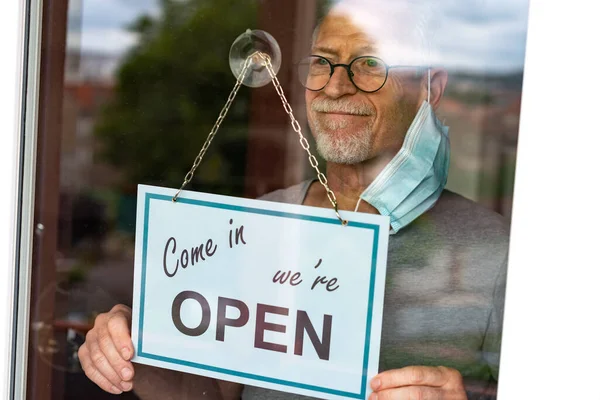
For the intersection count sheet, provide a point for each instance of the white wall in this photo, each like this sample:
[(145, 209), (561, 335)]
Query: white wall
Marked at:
[(551, 345), (10, 89)]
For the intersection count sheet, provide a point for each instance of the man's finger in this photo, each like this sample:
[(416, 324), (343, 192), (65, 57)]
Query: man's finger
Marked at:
[(108, 347), (411, 376), (93, 374), (100, 362), (411, 393), (118, 326)]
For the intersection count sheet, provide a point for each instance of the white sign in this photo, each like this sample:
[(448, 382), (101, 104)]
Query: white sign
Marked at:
[(261, 293)]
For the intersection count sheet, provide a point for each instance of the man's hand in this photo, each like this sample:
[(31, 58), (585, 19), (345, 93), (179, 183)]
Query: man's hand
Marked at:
[(107, 350), (418, 383)]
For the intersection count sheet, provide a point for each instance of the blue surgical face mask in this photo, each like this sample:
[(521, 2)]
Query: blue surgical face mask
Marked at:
[(412, 182)]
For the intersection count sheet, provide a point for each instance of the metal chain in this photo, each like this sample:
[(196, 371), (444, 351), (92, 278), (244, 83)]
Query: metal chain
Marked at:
[(216, 126), (303, 142), (295, 126)]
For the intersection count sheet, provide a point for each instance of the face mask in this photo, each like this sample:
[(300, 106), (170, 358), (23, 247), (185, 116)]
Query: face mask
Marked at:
[(414, 179)]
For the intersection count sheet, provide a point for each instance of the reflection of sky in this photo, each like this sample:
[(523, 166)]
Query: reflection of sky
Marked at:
[(484, 34), (104, 22), (474, 34)]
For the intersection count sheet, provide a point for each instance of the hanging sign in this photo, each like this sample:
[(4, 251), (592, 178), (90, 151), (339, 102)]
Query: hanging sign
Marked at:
[(261, 293)]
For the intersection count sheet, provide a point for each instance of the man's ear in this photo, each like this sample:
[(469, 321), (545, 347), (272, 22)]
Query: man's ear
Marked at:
[(439, 78)]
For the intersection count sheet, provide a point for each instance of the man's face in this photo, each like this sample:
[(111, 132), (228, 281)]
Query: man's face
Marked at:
[(351, 126)]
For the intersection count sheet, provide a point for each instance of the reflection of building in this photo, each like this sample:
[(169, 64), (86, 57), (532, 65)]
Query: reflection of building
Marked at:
[(82, 103), (483, 115), (88, 86), (90, 66)]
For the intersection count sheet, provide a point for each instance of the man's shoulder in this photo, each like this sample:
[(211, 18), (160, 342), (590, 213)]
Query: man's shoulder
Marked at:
[(454, 209), (464, 222), (293, 195)]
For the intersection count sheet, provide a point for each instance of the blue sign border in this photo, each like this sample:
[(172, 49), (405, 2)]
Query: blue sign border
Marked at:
[(141, 353)]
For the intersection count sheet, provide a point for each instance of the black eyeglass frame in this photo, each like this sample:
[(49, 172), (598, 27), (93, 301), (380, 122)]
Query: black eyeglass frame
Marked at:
[(348, 69)]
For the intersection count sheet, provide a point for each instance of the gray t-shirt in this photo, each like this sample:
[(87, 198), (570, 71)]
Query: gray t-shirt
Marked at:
[(444, 295)]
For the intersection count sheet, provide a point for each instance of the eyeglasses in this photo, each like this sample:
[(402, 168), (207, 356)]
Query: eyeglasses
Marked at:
[(367, 73)]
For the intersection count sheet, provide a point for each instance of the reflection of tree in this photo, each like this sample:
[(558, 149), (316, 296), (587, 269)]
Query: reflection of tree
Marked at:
[(169, 92)]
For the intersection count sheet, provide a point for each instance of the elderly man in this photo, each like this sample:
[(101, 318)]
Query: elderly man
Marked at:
[(387, 153)]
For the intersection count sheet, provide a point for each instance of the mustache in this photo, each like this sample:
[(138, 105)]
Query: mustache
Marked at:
[(341, 106)]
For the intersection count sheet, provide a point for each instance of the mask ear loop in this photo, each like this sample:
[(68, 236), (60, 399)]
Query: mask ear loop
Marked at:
[(428, 85), (357, 204)]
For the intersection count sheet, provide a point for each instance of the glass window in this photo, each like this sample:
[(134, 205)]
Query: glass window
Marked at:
[(129, 92)]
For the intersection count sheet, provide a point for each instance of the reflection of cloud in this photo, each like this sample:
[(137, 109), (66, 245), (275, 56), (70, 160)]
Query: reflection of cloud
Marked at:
[(103, 40), (479, 34), (104, 24), (482, 47), (115, 13), (485, 12), (473, 34)]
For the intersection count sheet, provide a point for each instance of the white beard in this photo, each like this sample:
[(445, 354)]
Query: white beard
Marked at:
[(342, 149)]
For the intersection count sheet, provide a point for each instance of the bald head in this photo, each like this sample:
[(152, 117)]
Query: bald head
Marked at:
[(400, 30)]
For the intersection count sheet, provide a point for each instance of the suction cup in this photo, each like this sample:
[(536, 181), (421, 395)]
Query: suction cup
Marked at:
[(247, 44)]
